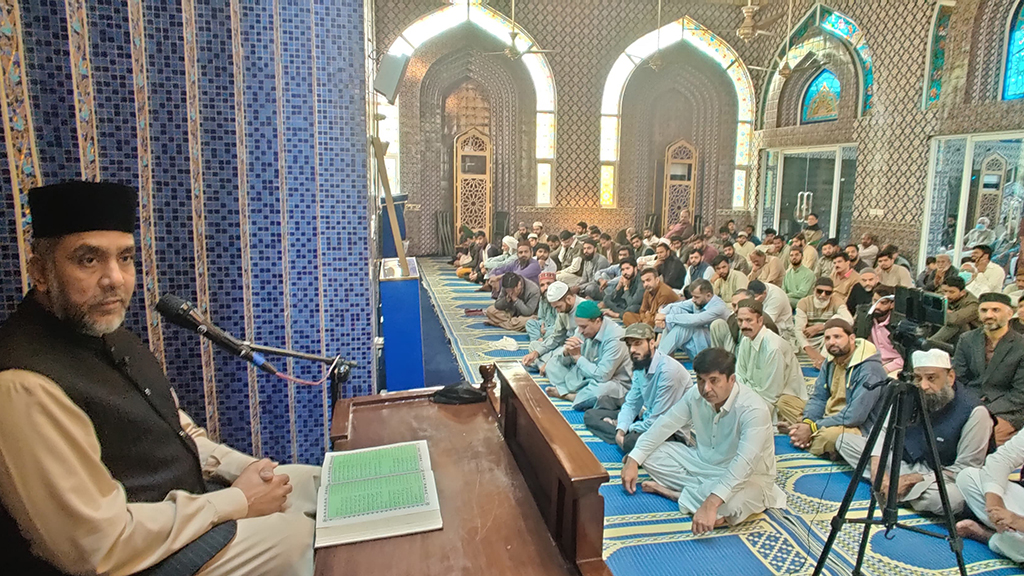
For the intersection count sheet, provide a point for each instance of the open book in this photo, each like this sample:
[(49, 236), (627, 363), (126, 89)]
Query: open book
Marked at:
[(376, 493)]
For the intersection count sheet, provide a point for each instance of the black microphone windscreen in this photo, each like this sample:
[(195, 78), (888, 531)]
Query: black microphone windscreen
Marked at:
[(177, 310)]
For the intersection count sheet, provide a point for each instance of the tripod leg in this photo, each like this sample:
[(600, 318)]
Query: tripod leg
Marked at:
[(888, 447), (891, 513), (956, 544), (858, 472)]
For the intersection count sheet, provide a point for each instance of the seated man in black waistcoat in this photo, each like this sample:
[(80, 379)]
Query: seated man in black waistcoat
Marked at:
[(100, 472), (963, 435)]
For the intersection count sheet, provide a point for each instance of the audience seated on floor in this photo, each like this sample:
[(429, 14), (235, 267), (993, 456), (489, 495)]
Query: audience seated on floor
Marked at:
[(592, 368), (809, 253), (729, 474), (862, 292), (658, 383), (656, 295), (844, 277), (961, 311), (738, 263), (627, 294), (767, 364), (868, 249), (524, 265), (743, 247), (876, 323), (812, 314), (687, 324), (934, 278), (564, 302), (890, 273), (846, 393), (776, 306), (509, 248), (988, 276), (584, 266), (766, 268), (799, 280), (605, 279), (542, 236), (727, 280), (639, 247), (671, 269), (516, 304), (990, 362), (726, 334), (857, 264), (813, 234), (537, 328), (569, 248), (823, 267), (957, 417), (479, 251), (996, 501)]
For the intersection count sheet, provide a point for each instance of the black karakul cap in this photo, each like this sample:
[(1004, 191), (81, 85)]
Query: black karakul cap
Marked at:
[(77, 206), (995, 297)]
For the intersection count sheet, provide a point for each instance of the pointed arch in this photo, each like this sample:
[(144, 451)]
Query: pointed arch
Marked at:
[(820, 100), (1013, 68), (800, 44), (495, 24), (683, 30)]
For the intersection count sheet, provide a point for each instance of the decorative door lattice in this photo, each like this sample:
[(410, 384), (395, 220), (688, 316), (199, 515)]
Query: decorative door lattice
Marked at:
[(472, 181), (679, 190), (990, 188)]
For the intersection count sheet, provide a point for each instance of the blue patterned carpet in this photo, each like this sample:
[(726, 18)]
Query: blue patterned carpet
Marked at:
[(645, 535)]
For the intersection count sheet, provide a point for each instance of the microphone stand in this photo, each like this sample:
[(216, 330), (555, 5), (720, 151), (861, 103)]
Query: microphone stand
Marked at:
[(339, 374)]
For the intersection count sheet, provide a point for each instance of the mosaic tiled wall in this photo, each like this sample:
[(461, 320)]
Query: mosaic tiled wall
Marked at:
[(244, 125), (893, 139)]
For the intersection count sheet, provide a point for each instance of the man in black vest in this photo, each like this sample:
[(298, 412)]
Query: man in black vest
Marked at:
[(963, 432), (100, 472)]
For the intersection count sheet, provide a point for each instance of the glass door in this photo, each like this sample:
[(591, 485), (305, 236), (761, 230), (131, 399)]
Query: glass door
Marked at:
[(799, 182), (975, 196)]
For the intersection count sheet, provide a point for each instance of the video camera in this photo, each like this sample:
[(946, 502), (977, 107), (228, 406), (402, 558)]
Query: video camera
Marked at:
[(923, 314)]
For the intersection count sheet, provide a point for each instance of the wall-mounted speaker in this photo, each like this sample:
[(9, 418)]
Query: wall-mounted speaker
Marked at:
[(389, 76)]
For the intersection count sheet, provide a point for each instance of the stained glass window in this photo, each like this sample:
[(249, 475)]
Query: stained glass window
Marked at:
[(821, 100), (1013, 80), (607, 186), (496, 25), (937, 58)]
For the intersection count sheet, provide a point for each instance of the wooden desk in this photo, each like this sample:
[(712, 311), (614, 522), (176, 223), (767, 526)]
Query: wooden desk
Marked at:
[(509, 503)]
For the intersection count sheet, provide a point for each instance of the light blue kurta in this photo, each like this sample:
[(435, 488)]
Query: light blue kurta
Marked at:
[(546, 318), (653, 392), (689, 327), (602, 371)]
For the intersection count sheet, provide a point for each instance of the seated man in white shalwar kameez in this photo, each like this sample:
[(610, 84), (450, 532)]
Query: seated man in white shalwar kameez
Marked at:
[(730, 474)]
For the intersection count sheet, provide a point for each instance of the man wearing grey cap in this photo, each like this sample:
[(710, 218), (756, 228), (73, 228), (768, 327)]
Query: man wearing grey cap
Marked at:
[(962, 428), (659, 381), (990, 361)]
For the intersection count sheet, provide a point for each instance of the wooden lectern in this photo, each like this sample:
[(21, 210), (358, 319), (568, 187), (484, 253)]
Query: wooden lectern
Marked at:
[(518, 488)]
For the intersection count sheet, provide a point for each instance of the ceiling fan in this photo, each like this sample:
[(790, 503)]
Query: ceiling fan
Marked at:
[(751, 28), (513, 52), (810, 60)]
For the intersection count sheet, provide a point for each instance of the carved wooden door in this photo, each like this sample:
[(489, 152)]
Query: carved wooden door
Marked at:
[(473, 181), (680, 177)]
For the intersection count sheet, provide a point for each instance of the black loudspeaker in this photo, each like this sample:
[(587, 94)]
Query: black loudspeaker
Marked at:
[(389, 76)]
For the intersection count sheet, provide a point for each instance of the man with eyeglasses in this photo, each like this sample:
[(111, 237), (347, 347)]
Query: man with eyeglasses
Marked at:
[(812, 314)]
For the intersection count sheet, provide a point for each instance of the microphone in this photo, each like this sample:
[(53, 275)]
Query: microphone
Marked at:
[(183, 313)]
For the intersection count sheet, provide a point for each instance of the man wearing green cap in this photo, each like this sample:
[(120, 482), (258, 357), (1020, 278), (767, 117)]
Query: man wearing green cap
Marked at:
[(659, 381), (593, 368)]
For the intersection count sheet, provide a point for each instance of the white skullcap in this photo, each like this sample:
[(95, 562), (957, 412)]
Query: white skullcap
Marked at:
[(931, 359), (511, 242), (665, 241), (532, 236), (538, 224), (557, 291)]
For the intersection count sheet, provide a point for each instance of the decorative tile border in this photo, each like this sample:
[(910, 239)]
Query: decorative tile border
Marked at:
[(283, 194), (19, 134), (150, 282), (199, 212), (81, 81), (243, 219)]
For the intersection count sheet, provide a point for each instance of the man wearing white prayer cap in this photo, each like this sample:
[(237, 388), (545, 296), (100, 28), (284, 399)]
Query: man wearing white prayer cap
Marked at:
[(564, 303), (542, 236), (509, 245), (963, 435)]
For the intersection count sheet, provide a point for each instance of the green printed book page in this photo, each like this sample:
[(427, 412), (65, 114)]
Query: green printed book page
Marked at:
[(375, 495), (385, 461)]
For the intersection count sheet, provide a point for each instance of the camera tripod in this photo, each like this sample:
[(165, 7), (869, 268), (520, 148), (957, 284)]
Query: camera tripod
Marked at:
[(898, 401)]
